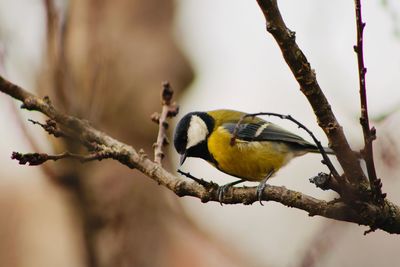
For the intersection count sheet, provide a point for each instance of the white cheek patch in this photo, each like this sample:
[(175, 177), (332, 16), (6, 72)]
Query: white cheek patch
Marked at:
[(197, 131)]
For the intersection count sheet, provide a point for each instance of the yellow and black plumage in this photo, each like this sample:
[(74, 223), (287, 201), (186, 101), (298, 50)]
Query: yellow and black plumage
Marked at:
[(260, 149)]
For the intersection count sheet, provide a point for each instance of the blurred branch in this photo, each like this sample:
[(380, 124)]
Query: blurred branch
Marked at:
[(56, 52), (322, 243), (385, 217), (369, 133), (307, 80), (52, 22), (56, 81)]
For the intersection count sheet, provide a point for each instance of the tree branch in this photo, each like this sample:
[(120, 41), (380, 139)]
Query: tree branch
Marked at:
[(369, 133), (386, 217), (34, 159), (307, 80), (169, 110)]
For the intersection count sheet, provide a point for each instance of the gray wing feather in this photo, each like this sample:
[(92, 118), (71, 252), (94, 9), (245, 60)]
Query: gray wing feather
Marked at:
[(265, 131)]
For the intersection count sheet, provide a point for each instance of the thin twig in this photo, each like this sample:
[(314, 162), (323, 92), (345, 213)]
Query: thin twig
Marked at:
[(51, 128), (169, 110), (201, 181), (369, 133), (34, 159)]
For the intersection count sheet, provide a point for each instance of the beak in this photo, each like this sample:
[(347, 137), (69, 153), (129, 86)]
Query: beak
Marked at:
[(182, 159)]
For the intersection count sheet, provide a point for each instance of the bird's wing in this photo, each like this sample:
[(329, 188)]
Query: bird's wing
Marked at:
[(265, 131)]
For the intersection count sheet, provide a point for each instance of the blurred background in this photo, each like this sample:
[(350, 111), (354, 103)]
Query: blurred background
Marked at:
[(105, 60)]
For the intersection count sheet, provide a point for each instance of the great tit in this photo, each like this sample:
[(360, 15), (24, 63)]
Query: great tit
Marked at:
[(259, 150)]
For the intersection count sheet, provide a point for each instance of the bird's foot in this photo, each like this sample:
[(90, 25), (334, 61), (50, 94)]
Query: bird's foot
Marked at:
[(223, 189), (221, 192), (260, 191), (261, 187)]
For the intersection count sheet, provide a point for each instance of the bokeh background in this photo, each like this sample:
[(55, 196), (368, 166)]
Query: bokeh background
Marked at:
[(105, 61)]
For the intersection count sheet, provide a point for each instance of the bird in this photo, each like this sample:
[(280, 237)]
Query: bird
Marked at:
[(257, 151)]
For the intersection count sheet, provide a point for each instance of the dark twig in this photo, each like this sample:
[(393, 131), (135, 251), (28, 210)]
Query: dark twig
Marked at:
[(51, 128), (201, 181), (169, 110), (307, 80), (34, 159), (369, 133), (326, 159)]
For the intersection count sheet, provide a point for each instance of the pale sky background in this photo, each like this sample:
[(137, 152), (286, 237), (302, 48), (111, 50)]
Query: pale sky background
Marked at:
[(239, 66)]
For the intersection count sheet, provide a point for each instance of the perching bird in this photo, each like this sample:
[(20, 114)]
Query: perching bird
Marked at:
[(259, 150)]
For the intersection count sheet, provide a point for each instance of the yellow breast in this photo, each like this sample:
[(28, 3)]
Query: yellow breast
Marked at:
[(250, 161)]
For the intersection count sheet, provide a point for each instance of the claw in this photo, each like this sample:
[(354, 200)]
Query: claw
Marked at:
[(222, 190), (260, 190)]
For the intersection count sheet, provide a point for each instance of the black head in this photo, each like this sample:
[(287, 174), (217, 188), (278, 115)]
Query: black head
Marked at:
[(191, 133)]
